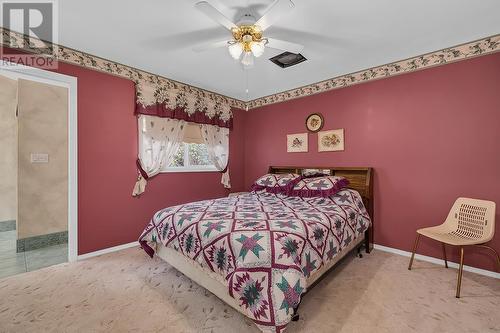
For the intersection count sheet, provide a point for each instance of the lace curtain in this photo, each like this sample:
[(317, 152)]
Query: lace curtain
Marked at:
[(217, 141), (159, 145)]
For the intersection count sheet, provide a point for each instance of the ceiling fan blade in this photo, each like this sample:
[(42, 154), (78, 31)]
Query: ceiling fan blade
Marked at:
[(214, 14), (209, 46), (274, 12), (284, 45)]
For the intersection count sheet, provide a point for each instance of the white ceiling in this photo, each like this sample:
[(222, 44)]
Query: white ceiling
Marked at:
[(340, 37)]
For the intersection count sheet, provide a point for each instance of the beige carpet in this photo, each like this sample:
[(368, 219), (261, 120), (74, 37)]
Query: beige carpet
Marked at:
[(128, 292)]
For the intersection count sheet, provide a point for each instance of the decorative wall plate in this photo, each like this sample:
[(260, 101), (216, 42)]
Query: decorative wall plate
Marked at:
[(314, 122)]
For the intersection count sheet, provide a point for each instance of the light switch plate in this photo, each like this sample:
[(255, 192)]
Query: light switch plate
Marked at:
[(39, 158)]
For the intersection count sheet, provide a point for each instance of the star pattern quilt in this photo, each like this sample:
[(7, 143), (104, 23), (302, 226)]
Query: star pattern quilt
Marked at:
[(264, 245)]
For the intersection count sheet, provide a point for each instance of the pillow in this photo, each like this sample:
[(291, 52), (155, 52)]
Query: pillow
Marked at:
[(311, 173), (276, 183), (317, 174), (318, 186)]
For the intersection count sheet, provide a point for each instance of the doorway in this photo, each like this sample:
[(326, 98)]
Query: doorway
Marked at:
[(38, 217)]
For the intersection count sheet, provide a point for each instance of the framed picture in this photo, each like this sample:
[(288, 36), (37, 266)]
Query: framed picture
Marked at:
[(314, 122), (331, 140), (296, 143)]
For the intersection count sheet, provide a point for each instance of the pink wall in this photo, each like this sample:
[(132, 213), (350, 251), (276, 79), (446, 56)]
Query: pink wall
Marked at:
[(108, 215), (107, 149), (431, 136)]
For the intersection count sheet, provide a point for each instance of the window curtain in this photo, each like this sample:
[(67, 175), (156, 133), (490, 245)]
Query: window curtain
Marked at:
[(161, 139), (217, 141)]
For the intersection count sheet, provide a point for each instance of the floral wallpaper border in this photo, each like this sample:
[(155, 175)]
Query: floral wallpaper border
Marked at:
[(151, 88), (154, 89), (464, 51)]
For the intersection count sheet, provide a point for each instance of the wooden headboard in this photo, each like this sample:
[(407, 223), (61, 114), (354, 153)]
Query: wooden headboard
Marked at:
[(360, 179)]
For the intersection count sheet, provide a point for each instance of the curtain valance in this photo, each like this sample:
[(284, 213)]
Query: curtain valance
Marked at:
[(163, 100)]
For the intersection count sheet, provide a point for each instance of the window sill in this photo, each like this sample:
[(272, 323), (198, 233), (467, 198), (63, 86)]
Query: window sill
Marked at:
[(181, 170)]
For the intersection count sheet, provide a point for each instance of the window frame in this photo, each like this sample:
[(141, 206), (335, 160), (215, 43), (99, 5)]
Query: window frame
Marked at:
[(189, 168), (169, 169)]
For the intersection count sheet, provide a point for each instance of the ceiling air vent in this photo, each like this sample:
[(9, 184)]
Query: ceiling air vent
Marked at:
[(287, 59)]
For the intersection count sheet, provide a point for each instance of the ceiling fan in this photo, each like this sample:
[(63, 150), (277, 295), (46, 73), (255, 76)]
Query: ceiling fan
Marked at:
[(248, 34)]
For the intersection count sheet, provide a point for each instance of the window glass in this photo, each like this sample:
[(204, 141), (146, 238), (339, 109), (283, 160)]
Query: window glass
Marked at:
[(178, 160), (192, 154), (198, 154), (191, 157)]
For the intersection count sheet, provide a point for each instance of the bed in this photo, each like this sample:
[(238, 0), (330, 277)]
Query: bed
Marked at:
[(261, 252)]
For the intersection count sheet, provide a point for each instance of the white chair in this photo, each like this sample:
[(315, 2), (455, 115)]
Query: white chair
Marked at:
[(469, 222)]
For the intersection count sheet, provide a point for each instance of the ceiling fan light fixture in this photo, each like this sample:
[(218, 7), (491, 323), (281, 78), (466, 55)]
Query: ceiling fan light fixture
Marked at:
[(235, 50), (248, 39), (247, 60), (257, 48)]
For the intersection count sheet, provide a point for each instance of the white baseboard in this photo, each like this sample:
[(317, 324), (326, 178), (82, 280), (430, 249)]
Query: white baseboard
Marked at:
[(108, 250), (437, 261), (375, 246)]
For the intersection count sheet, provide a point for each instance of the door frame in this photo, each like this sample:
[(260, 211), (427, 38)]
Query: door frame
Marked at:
[(17, 71)]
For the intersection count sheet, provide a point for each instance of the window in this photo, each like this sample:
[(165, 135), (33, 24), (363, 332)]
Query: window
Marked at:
[(191, 157), (192, 154)]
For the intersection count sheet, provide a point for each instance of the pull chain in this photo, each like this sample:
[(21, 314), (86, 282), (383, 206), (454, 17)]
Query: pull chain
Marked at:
[(246, 90)]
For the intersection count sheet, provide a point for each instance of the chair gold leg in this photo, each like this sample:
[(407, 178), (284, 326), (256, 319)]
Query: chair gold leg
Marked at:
[(444, 256), (414, 250), (492, 250), (498, 258), (460, 271)]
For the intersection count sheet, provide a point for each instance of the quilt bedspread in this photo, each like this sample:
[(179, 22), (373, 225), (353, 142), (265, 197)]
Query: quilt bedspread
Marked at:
[(264, 245)]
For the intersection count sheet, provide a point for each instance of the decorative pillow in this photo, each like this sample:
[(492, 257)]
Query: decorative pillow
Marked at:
[(276, 183), (309, 173), (318, 186)]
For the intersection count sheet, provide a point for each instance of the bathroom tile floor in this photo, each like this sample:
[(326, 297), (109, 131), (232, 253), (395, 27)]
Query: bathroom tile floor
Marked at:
[(12, 263)]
